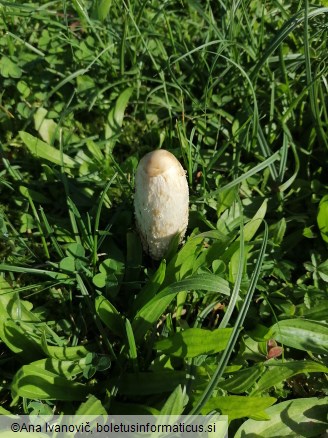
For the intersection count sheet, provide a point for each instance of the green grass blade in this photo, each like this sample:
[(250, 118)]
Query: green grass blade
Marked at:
[(97, 219), (312, 83), (289, 27), (251, 172)]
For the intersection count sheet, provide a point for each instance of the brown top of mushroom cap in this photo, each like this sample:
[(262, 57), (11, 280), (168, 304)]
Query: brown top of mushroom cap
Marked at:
[(157, 162)]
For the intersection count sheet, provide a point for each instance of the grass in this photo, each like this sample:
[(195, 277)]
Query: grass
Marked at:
[(236, 319)]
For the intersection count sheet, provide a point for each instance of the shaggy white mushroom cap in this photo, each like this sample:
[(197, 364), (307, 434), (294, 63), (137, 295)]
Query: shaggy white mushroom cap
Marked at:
[(161, 201)]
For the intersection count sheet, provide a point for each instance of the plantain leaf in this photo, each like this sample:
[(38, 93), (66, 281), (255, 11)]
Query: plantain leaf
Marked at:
[(303, 417), (176, 402), (253, 225), (182, 264), (43, 150), (16, 325), (242, 380), (151, 311), (46, 127), (116, 115), (301, 334), (194, 342), (47, 379), (101, 9), (131, 344), (280, 371), (110, 316), (144, 383), (92, 406), (240, 406), (151, 287), (20, 339), (65, 353)]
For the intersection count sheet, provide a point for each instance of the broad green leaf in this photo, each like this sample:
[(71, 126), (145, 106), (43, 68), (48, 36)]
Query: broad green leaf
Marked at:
[(44, 380), (99, 280), (253, 225), (95, 151), (92, 411), (230, 219), (110, 275), (14, 307), (301, 334), (46, 127), (23, 88), (242, 380), (22, 342), (37, 407), (20, 329), (116, 115), (281, 371), (279, 231), (216, 250), (65, 353), (110, 265), (45, 151), (181, 300), (102, 8), (151, 287), (75, 249), (176, 402), (69, 353), (151, 311), (144, 383), (67, 264), (110, 316), (131, 344), (317, 313), (240, 406), (67, 368), (92, 406), (13, 332), (322, 218), (9, 69), (226, 199), (303, 417), (184, 260), (323, 272), (250, 230), (194, 342), (234, 265)]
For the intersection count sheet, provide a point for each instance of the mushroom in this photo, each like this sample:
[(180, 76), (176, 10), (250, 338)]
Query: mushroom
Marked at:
[(161, 201)]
